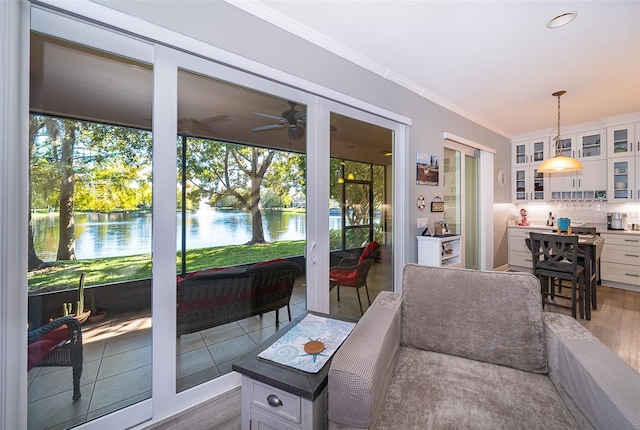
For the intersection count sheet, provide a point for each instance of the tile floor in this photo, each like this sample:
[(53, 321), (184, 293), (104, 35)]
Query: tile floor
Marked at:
[(117, 359)]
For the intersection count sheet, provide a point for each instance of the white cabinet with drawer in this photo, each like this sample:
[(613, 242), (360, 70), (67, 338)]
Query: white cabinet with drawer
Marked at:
[(266, 407), (519, 255), (620, 260)]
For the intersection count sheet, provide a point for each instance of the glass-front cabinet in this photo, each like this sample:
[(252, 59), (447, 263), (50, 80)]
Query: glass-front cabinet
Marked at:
[(622, 139), (623, 182), (591, 145), (529, 184), (530, 152), (588, 145)]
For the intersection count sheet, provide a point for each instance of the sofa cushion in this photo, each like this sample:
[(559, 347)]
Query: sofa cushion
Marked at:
[(48, 343), (430, 390), (437, 315)]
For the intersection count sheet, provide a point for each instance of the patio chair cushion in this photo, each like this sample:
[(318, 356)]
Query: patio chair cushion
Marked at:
[(368, 251), (41, 348)]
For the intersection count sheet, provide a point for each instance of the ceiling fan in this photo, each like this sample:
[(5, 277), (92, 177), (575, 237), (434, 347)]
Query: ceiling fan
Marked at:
[(292, 119), (192, 126)]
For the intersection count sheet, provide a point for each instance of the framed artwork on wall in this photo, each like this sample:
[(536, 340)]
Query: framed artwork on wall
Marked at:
[(427, 169)]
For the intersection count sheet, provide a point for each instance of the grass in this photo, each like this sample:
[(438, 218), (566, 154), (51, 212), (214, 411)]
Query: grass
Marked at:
[(62, 275)]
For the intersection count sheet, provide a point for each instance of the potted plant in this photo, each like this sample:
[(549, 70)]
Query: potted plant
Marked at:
[(67, 308)]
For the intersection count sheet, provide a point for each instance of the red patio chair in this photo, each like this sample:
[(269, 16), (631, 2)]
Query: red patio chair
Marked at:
[(348, 274)]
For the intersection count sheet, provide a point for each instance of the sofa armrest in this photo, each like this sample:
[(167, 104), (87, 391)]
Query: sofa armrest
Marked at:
[(362, 368), (599, 388)]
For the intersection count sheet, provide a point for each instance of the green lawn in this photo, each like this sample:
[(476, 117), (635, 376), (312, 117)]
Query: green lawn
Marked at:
[(65, 274)]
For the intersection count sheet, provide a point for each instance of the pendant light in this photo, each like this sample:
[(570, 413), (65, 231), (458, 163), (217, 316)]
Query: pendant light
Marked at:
[(559, 163)]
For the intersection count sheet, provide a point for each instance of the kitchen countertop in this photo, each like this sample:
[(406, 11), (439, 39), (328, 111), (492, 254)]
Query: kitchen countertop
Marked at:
[(599, 228)]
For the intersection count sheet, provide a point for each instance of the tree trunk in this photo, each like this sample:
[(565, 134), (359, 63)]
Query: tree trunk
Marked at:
[(67, 242), (33, 262), (257, 234)]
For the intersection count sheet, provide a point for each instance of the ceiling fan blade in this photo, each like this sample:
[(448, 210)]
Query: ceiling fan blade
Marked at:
[(214, 119), (268, 127), (266, 115)]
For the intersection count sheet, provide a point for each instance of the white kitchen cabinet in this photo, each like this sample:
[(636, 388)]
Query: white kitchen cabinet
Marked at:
[(624, 140), (519, 255), (591, 145), (530, 152), (589, 183), (440, 251), (620, 259), (623, 180), (528, 185)]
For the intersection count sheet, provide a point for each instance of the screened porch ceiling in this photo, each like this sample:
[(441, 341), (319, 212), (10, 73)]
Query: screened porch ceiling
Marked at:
[(72, 81)]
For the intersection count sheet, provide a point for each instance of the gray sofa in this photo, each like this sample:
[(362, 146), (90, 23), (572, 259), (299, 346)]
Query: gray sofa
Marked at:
[(463, 349)]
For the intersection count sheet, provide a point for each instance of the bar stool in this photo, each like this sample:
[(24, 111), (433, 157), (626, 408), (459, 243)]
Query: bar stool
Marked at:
[(556, 257)]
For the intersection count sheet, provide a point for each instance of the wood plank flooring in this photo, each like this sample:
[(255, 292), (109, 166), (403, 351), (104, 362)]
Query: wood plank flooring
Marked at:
[(616, 322)]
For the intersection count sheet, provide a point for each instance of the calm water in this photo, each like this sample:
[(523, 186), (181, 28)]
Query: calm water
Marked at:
[(111, 235)]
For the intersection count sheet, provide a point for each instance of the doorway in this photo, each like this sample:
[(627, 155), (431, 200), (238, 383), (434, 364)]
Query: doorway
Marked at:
[(461, 196)]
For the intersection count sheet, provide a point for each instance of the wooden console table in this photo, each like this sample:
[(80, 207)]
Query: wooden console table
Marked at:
[(281, 397)]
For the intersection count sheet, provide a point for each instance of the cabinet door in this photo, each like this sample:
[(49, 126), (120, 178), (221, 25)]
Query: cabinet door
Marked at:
[(562, 185), (621, 180), (591, 145), (567, 146), (621, 140), (593, 177), (520, 153), (530, 152), (538, 185), (520, 178)]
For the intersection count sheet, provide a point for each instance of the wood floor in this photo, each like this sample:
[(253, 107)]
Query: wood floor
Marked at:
[(616, 322)]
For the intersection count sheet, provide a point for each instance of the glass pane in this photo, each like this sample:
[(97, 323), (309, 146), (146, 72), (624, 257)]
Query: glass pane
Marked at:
[(360, 212), (90, 231), (538, 151), (241, 230), (471, 209), (591, 145)]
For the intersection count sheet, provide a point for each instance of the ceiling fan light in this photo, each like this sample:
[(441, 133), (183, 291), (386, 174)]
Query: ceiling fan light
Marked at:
[(560, 163), (296, 133)]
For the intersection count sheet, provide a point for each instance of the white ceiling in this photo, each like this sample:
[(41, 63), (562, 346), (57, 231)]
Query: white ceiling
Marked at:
[(494, 62)]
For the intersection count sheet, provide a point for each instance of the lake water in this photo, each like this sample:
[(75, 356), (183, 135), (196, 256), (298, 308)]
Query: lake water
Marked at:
[(117, 234)]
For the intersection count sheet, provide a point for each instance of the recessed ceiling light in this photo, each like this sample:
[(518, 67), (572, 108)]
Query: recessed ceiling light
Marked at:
[(561, 20)]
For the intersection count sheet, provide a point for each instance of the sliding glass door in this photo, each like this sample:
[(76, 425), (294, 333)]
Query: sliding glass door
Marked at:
[(159, 182), (462, 210)]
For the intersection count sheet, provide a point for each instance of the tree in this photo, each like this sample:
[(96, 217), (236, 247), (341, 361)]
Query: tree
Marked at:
[(66, 240), (219, 170), (91, 166)]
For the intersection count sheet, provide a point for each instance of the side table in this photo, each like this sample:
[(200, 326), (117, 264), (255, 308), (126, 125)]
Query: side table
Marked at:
[(280, 397)]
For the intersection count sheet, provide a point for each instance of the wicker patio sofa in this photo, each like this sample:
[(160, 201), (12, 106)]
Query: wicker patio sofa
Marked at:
[(213, 297)]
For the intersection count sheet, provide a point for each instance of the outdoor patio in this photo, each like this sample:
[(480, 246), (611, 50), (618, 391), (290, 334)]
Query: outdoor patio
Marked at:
[(117, 358)]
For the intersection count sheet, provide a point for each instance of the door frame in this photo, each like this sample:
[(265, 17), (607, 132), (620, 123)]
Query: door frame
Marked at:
[(485, 197)]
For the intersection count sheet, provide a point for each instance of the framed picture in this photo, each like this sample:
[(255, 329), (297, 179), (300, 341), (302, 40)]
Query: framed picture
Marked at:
[(427, 169), (437, 206)]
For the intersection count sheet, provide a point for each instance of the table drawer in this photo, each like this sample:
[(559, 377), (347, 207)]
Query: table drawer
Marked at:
[(620, 273), (290, 408)]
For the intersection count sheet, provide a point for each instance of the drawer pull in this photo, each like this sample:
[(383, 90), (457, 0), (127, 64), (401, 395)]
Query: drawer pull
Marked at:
[(274, 400), (632, 255), (632, 274), (632, 240)]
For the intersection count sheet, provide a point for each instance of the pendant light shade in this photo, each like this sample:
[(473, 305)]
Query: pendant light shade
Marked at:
[(559, 162)]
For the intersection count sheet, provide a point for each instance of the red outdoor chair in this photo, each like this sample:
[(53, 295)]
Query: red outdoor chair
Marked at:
[(58, 343), (353, 273)]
